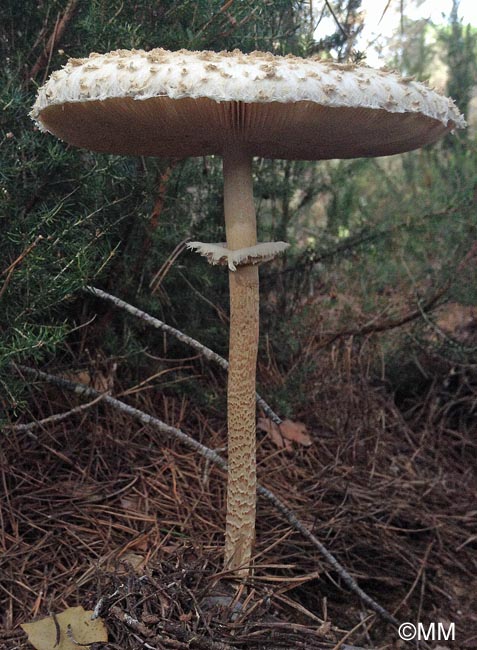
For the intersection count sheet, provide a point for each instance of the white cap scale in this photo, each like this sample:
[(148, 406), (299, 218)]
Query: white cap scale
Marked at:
[(284, 108)]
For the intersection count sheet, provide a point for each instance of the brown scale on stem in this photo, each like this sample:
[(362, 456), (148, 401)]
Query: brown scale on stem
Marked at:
[(244, 326)]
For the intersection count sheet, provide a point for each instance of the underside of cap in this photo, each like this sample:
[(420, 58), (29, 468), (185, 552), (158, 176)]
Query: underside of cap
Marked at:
[(178, 104)]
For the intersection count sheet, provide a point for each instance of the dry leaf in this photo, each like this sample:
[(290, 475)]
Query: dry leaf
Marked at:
[(98, 380), (135, 561), (296, 432), (324, 628), (132, 503), (79, 376), (46, 634), (266, 425), (126, 562), (284, 434)]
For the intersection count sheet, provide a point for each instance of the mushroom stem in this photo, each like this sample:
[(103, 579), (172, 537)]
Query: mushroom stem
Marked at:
[(241, 232)]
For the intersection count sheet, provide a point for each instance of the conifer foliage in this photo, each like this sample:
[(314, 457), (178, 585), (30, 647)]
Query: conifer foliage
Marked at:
[(67, 216)]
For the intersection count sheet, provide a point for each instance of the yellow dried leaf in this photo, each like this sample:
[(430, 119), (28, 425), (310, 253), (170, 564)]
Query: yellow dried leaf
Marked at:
[(79, 376), (287, 432), (296, 432), (266, 425), (45, 634)]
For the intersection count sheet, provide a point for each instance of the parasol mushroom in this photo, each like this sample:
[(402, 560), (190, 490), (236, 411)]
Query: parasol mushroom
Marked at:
[(235, 105)]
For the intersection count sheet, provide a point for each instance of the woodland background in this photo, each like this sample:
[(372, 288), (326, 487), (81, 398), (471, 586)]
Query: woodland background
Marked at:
[(368, 330)]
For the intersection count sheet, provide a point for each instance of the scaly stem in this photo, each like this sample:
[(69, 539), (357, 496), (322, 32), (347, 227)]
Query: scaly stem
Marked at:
[(241, 232)]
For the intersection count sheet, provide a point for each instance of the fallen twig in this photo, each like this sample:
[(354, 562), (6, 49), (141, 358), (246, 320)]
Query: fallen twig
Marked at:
[(158, 278), (57, 417), (10, 269), (54, 39), (145, 632), (339, 645), (387, 324), (215, 458), (192, 640), (184, 338), (340, 570)]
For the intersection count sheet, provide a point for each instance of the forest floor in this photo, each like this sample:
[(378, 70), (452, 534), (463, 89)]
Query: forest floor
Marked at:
[(101, 511)]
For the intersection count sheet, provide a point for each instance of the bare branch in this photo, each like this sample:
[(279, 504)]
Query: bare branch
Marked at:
[(389, 323), (57, 417), (9, 270), (54, 39), (215, 458), (339, 25), (209, 354)]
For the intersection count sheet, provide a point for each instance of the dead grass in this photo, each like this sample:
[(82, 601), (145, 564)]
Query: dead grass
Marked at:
[(391, 493)]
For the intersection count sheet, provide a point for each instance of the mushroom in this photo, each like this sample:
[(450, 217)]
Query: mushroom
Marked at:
[(235, 105)]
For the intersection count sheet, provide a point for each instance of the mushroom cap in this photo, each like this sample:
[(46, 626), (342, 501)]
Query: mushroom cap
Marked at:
[(183, 103)]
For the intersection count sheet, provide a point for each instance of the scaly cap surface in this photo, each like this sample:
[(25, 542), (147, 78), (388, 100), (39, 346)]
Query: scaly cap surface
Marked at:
[(192, 103)]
